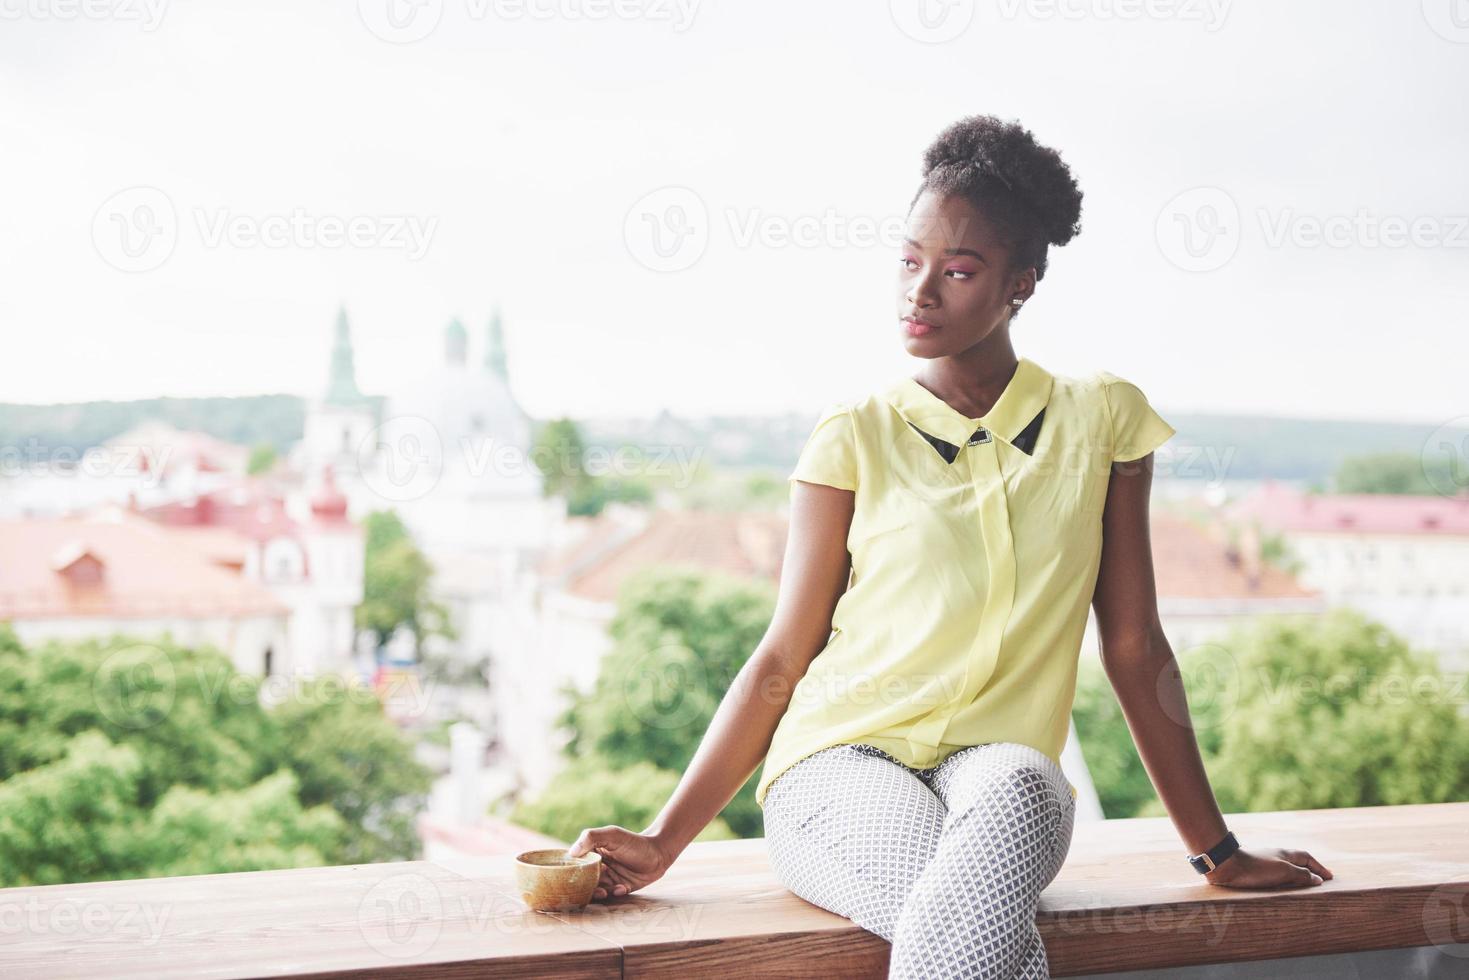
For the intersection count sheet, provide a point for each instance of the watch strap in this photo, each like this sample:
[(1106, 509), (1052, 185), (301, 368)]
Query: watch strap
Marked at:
[(1214, 856)]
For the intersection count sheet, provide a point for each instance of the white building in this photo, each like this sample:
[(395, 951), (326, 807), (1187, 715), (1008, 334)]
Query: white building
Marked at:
[(1400, 559)]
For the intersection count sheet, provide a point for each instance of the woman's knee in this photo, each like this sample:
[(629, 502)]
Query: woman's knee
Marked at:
[(1021, 779), (850, 832)]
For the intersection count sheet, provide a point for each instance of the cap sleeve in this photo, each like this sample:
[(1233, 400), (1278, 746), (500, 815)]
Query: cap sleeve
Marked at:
[(1137, 429), (830, 453)]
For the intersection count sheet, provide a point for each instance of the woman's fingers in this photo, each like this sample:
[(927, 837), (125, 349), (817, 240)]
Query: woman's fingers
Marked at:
[(1301, 857)]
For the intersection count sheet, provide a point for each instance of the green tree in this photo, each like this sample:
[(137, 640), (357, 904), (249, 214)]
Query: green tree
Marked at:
[(350, 757), (125, 758), (588, 794), (395, 584), (1409, 473), (1296, 713), (679, 638), (1338, 712), (263, 458), (558, 452), (1117, 773)]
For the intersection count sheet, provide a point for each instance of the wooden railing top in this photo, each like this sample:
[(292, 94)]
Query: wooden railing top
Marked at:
[(1124, 900)]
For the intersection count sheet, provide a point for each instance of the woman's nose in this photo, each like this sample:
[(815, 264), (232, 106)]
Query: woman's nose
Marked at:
[(922, 292)]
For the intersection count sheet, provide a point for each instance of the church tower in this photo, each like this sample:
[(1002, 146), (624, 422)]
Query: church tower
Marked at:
[(495, 348), (338, 422)]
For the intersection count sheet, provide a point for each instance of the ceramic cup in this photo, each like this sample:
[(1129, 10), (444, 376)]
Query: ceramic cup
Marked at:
[(550, 881)]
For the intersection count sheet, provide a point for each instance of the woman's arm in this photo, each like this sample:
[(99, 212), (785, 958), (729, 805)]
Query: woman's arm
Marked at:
[(814, 574), (1140, 665)]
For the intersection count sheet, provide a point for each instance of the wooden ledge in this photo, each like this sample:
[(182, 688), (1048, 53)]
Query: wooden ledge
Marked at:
[(1124, 900)]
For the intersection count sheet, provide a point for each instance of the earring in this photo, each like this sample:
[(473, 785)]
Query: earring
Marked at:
[(1017, 303)]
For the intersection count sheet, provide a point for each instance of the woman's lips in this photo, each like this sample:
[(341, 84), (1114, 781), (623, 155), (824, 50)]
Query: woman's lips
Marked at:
[(919, 328)]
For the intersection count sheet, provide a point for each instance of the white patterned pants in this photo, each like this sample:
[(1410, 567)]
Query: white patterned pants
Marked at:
[(945, 863)]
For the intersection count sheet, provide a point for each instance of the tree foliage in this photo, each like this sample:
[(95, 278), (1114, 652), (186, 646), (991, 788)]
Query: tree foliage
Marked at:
[(1297, 713), (679, 639), (395, 584), (122, 758)]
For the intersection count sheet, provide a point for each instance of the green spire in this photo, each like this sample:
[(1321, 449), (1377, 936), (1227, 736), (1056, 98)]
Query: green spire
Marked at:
[(456, 342), (341, 388), (495, 349)]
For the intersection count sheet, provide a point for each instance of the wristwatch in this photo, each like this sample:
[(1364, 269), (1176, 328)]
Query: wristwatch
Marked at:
[(1214, 856)]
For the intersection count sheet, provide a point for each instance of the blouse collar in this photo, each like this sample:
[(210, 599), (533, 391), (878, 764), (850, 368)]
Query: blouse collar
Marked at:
[(1027, 392)]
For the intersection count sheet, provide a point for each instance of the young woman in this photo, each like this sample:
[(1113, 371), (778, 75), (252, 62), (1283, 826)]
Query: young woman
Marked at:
[(912, 695)]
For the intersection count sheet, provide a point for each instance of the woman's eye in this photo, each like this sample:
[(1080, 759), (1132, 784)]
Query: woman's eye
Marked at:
[(905, 262), (960, 273)]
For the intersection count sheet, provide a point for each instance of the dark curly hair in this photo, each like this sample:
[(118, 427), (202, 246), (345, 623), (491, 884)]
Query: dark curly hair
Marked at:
[(1022, 188)]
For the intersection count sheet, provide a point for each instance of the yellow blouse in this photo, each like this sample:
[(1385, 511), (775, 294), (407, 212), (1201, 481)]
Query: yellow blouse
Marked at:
[(971, 579)]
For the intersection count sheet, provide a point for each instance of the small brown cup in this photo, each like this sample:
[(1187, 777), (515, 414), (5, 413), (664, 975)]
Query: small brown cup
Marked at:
[(550, 881)]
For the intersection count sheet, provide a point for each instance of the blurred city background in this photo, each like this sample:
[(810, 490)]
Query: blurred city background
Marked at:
[(396, 401)]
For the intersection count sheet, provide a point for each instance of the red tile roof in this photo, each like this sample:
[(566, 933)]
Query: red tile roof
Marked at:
[(142, 570), (1193, 561), (1189, 561), (1282, 507), (750, 544)]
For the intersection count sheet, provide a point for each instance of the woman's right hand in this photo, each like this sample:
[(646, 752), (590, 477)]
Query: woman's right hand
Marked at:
[(629, 861)]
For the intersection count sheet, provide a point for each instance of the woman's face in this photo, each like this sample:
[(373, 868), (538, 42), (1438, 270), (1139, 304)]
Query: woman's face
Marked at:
[(953, 278)]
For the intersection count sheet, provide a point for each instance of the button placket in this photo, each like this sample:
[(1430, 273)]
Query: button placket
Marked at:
[(999, 547)]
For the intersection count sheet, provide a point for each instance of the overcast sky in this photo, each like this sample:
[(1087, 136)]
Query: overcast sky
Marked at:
[(1274, 216)]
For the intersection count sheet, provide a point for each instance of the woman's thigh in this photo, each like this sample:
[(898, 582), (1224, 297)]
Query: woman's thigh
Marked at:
[(850, 830), (1025, 797)]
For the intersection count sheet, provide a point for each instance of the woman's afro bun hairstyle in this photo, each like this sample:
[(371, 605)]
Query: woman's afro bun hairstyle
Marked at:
[(1024, 189)]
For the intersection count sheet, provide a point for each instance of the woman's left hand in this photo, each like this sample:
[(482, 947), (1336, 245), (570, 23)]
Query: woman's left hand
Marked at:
[(1279, 867)]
